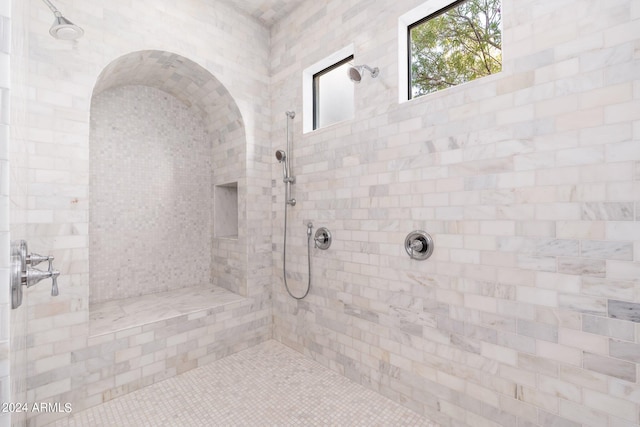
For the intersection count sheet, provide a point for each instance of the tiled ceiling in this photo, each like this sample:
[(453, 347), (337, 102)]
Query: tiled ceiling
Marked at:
[(266, 11)]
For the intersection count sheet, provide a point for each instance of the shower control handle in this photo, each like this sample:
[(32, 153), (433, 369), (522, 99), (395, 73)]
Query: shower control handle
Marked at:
[(35, 259), (33, 276), (419, 245), (22, 272), (54, 284), (322, 238)]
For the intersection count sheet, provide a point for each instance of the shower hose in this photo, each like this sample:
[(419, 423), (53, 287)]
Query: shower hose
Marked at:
[(284, 256)]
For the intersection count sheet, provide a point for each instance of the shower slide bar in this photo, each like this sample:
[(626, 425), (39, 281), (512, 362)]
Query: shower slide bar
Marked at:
[(322, 238)]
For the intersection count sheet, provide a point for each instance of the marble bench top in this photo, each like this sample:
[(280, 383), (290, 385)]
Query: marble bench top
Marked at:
[(116, 315)]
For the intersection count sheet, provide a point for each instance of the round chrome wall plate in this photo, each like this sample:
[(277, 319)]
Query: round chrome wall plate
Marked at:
[(322, 238), (18, 270), (419, 245)]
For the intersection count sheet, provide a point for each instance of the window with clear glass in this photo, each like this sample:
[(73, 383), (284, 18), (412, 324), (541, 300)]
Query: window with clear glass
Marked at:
[(332, 95), (458, 43)]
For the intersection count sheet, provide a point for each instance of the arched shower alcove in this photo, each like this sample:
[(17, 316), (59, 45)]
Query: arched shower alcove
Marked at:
[(167, 159)]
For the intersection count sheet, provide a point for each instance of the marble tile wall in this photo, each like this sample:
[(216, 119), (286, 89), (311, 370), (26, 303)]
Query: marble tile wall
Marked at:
[(5, 303), (528, 311), (528, 181), (51, 105), (266, 11)]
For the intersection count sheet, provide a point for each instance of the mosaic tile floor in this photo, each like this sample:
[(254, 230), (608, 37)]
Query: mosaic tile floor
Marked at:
[(266, 385)]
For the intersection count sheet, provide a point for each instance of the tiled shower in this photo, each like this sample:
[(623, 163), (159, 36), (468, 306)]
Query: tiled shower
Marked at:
[(526, 314)]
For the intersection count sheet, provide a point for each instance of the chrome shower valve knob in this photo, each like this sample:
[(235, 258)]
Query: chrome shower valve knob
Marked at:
[(34, 275), (322, 239), (35, 259), (418, 245), (23, 272)]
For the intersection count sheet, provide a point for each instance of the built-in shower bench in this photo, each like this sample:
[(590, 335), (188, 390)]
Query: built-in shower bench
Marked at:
[(117, 315), (135, 342)]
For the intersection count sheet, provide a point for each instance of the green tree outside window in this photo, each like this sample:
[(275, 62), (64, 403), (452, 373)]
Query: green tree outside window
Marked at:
[(460, 44)]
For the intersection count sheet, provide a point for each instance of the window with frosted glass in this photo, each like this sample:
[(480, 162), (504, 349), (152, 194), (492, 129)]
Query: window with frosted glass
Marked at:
[(332, 95)]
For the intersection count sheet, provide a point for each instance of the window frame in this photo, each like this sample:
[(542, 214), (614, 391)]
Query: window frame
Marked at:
[(307, 83), (427, 10), (316, 88), (419, 22)]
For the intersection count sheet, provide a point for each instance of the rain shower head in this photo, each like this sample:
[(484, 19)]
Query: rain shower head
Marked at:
[(355, 72), (62, 28)]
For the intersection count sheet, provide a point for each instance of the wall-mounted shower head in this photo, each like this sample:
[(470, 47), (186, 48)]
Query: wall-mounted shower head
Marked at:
[(62, 28), (355, 72), (281, 156)]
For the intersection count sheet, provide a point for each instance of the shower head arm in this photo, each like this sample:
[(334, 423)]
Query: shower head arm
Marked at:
[(54, 9), (374, 71)]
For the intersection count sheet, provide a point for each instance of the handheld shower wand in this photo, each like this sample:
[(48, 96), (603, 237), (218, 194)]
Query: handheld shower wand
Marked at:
[(282, 158), (286, 176)]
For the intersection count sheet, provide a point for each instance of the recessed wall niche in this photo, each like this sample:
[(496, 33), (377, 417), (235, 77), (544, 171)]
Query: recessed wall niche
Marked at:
[(225, 211)]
